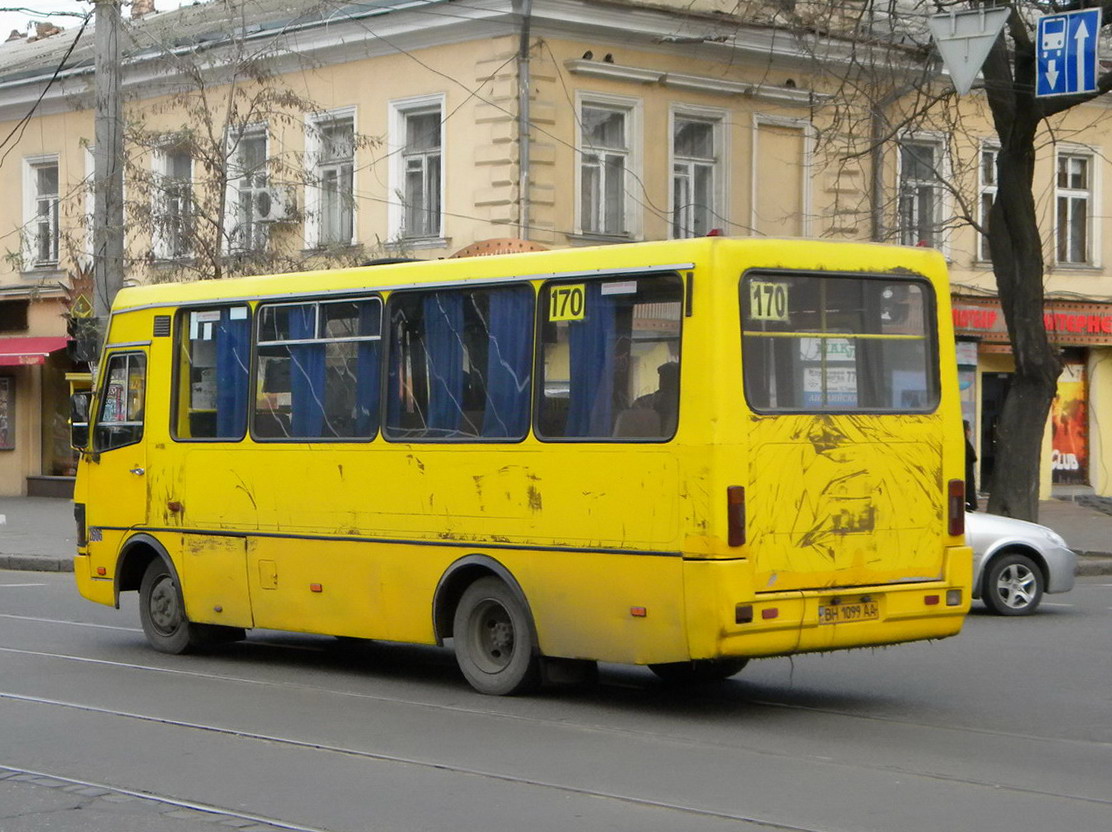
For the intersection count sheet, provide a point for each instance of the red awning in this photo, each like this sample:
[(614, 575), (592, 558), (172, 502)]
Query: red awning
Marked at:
[(17, 351)]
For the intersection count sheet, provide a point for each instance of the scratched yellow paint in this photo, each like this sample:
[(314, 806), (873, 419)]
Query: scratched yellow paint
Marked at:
[(353, 538)]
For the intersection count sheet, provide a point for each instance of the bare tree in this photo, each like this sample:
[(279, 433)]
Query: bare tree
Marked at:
[(879, 76), (213, 187)]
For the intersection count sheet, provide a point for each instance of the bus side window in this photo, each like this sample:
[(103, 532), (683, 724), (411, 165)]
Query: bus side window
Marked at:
[(611, 358), (460, 364), (213, 351), (122, 401), (318, 370)]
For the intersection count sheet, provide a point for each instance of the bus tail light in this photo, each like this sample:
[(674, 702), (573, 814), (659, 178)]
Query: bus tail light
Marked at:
[(735, 512), (955, 500)]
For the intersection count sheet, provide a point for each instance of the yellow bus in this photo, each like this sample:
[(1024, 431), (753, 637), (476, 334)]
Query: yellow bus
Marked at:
[(679, 454)]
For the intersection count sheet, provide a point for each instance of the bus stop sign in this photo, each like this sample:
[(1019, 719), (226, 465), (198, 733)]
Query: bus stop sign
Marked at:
[(1066, 46)]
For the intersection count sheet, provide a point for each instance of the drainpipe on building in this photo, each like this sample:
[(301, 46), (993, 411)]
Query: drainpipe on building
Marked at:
[(524, 8)]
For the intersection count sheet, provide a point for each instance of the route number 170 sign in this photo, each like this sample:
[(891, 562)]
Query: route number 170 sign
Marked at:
[(768, 301)]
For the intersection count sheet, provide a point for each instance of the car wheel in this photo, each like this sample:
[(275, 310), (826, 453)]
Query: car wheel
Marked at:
[(1013, 585), (701, 672), (493, 636)]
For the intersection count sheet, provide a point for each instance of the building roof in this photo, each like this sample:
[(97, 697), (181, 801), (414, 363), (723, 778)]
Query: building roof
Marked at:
[(201, 25)]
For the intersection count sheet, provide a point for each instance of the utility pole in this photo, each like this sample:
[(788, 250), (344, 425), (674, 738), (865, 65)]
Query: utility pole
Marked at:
[(108, 165)]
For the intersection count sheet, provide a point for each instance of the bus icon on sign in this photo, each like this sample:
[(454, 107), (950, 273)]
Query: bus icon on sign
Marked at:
[(1053, 35)]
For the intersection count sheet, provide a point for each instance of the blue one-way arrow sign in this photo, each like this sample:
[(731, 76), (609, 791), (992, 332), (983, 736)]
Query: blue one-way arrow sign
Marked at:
[(1066, 46)]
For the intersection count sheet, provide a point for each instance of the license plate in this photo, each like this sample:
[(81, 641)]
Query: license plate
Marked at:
[(846, 611)]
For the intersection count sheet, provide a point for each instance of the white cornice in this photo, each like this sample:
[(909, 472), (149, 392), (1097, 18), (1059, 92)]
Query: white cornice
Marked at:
[(789, 96)]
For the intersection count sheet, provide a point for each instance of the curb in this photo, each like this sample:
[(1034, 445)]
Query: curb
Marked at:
[(35, 563), (1093, 563)]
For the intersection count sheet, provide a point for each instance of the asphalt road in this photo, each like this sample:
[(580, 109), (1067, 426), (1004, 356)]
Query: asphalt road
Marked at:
[(1007, 727)]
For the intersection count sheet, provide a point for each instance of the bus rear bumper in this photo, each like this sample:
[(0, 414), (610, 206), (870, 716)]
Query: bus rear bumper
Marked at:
[(781, 623)]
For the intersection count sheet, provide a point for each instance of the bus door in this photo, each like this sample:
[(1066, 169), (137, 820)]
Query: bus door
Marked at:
[(117, 471)]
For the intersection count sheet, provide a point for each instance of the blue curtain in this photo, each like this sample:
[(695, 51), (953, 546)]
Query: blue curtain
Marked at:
[(509, 360), (592, 347), (367, 370), (306, 375), (443, 313), (232, 355)]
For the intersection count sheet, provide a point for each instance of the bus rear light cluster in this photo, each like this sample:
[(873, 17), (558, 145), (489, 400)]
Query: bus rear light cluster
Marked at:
[(743, 613), (953, 597), (955, 502)]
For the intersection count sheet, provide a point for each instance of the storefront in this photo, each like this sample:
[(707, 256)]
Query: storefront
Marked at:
[(1073, 449), (35, 456)]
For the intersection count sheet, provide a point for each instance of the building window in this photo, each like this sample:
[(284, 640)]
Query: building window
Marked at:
[(42, 213), (332, 211), (249, 190), (1075, 194), (603, 163), (417, 169), (920, 195), (989, 158), (173, 204), (422, 156), (694, 176)]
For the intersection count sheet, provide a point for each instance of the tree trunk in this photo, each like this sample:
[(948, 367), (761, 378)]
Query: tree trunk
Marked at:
[(1017, 261)]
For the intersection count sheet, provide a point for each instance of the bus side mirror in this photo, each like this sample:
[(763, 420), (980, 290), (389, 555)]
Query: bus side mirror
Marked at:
[(79, 419)]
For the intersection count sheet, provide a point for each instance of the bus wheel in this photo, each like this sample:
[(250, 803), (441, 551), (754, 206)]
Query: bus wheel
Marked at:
[(493, 635), (162, 611), (702, 671)]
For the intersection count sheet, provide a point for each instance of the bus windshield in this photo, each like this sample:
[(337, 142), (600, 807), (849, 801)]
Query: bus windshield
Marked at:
[(847, 343)]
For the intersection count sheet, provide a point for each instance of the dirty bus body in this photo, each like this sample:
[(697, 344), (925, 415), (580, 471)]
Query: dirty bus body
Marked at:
[(682, 454)]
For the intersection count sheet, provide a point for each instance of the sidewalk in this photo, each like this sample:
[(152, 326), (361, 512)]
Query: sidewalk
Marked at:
[(38, 533)]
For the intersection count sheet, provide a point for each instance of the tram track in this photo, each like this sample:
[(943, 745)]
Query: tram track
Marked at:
[(491, 712), (490, 774), (158, 802)]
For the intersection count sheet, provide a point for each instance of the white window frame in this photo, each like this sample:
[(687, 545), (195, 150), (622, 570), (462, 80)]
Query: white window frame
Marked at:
[(31, 198), (632, 209), (942, 207), (1091, 154), (990, 189), (717, 119), (260, 233), (399, 112), (314, 189), (161, 170), (807, 162)]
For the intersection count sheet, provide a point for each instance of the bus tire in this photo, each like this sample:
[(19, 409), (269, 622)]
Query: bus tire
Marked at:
[(698, 672), (162, 611), (493, 637)]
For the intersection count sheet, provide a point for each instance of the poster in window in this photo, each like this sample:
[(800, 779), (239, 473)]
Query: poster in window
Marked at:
[(1069, 416), (7, 413)]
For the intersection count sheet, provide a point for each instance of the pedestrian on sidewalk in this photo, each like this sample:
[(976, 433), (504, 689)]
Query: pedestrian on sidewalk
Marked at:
[(970, 460)]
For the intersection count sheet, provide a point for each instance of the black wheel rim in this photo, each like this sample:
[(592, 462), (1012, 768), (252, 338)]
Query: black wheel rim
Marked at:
[(164, 606), (491, 637)]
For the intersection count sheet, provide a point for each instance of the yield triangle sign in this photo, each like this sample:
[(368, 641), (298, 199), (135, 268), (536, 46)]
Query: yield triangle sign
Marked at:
[(964, 40)]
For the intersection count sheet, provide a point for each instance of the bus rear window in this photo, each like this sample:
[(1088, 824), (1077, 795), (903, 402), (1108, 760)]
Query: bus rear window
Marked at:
[(845, 343)]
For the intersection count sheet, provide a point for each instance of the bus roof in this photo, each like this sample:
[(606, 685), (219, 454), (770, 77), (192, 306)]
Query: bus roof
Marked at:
[(763, 252)]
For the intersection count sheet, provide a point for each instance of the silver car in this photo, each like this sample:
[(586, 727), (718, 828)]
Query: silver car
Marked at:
[(1015, 562)]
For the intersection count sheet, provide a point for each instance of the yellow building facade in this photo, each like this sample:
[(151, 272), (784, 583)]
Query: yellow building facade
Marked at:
[(415, 129)]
